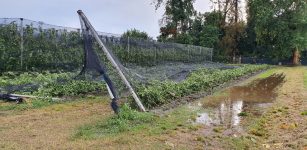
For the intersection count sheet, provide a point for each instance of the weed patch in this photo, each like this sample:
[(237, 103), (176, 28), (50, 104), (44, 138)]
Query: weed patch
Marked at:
[(130, 121), (258, 127), (242, 114), (267, 73), (305, 79), (127, 120)]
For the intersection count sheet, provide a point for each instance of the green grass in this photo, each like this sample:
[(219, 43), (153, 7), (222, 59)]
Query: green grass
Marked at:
[(42, 102), (305, 79), (242, 114), (304, 113), (258, 127), (267, 73), (34, 104), (127, 120), (130, 121), (239, 143)]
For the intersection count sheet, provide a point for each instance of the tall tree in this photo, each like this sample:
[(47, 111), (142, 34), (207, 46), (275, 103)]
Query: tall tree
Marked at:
[(231, 24), (134, 33), (177, 19), (281, 26), (211, 31)]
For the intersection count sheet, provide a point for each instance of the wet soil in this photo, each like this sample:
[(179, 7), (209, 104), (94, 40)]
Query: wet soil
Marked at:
[(197, 96), (228, 108)]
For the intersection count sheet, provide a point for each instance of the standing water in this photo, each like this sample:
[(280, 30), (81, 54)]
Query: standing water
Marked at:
[(227, 108)]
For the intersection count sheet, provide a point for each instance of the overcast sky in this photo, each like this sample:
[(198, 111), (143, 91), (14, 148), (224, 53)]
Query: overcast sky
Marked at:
[(113, 16)]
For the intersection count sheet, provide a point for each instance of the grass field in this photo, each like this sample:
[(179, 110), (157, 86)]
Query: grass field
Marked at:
[(89, 123)]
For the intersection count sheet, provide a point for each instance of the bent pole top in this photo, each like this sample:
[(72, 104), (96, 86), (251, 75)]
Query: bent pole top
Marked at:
[(110, 58)]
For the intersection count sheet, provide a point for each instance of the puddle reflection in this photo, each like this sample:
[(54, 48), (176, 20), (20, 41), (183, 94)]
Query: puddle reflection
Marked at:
[(225, 109)]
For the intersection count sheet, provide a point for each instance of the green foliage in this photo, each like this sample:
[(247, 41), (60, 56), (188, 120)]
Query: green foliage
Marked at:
[(63, 51), (130, 122), (258, 127), (280, 26), (134, 33), (52, 84), (176, 20), (184, 39), (273, 28), (229, 41), (127, 120), (209, 36), (12, 78), (33, 104), (242, 114), (43, 49), (71, 88), (305, 79), (267, 73), (158, 93), (211, 31), (9, 39)]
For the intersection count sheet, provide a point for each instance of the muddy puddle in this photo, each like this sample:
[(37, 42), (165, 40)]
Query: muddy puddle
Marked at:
[(230, 106)]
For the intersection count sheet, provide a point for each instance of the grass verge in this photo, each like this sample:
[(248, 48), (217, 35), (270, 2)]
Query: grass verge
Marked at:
[(33, 104), (40, 103), (267, 73), (130, 122), (305, 79)]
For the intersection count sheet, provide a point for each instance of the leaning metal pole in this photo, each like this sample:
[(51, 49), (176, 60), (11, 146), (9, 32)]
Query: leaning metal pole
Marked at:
[(110, 58)]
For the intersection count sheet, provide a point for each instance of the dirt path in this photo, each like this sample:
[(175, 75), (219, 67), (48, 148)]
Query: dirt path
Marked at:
[(286, 126)]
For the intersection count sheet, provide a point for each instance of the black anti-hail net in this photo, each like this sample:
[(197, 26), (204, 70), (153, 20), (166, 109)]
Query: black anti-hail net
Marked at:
[(52, 56)]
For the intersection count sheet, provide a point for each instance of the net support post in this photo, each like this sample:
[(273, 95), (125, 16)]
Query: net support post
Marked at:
[(110, 58), (21, 43), (211, 54)]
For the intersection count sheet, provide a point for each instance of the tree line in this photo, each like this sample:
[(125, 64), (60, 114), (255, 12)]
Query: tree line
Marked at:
[(275, 29)]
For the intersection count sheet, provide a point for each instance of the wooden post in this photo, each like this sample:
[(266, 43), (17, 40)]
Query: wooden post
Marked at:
[(110, 58), (128, 44), (211, 54), (21, 43), (128, 47), (155, 54)]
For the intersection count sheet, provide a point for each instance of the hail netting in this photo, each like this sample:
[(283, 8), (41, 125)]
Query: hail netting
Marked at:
[(27, 45), (143, 61), (55, 48)]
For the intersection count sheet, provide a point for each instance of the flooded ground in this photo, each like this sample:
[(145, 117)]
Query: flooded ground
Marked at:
[(227, 109)]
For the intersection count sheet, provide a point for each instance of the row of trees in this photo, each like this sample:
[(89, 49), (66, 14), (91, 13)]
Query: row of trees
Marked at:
[(42, 49), (273, 28), (37, 49)]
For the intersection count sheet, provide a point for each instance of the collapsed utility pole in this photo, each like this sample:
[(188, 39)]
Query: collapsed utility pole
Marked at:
[(111, 59)]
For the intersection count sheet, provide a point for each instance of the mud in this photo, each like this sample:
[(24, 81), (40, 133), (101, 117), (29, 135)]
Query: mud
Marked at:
[(228, 108), (187, 100)]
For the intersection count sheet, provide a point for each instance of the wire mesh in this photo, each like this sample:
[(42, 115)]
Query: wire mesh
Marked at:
[(27, 45)]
